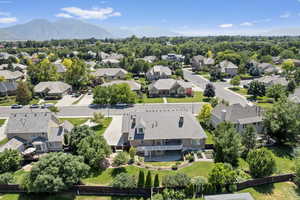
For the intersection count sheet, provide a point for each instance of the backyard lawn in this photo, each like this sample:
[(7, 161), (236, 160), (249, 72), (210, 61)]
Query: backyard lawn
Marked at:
[(198, 97), (105, 177), (210, 137), (265, 106)]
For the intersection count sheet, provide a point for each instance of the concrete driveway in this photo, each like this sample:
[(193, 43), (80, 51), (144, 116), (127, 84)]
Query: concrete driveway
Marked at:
[(86, 100), (113, 134), (67, 100)]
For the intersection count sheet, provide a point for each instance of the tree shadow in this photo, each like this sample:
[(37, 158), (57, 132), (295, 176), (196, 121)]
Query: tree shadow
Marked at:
[(96, 172), (117, 171), (265, 189), (283, 151)]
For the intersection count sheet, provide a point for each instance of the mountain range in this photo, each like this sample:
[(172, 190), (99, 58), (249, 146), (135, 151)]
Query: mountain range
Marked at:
[(41, 29)]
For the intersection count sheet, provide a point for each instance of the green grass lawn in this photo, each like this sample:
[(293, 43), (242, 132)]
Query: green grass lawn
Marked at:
[(4, 141), (105, 177), (12, 100), (198, 97), (75, 121), (204, 74), (100, 130), (150, 100), (53, 101), (162, 164), (210, 137), (285, 160), (265, 106), (277, 191), (2, 121), (239, 90), (19, 176)]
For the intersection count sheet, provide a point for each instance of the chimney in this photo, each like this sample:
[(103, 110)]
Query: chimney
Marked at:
[(181, 120), (223, 115)]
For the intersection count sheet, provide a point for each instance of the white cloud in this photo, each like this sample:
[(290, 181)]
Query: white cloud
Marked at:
[(94, 13), (247, 24), (7, 20), (285, 15), (63, 15), (226, 25)]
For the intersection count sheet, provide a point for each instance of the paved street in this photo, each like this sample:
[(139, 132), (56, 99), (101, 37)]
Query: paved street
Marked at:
[(86, 111), (67, 100), (221, 90)]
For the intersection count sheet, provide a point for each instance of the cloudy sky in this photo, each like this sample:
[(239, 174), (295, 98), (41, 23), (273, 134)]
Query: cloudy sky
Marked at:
[(188, 17)]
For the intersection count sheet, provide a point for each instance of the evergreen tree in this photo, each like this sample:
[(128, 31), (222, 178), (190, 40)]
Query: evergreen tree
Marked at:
[(156, 181), (141, 180), (148, 180), (23, 95)]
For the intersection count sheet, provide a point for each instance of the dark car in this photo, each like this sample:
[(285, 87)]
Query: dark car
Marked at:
[(122, 105), (47, 105), (16, 106), (35, 106)]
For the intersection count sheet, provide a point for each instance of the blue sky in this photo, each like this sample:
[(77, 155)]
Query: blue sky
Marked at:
[(190, 17)]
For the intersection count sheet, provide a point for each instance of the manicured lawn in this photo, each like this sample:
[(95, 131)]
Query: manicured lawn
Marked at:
[(210, 137), (12, 100), (150, 100), (19, 175), (75, 121), (204, 74), (100, 130), (50, 101), (105, 177), (161, 164), (277, 191), (265, 106), (4, 141), (198, 97), (239, 90), (2, 121), (285, 160)]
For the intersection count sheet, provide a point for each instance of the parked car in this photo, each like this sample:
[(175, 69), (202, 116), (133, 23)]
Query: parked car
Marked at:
[(35, 106), (16, 106), (76, 95), (122, 105), (47, 105)]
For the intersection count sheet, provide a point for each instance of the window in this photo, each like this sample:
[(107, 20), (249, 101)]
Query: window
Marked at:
[(140, 130)]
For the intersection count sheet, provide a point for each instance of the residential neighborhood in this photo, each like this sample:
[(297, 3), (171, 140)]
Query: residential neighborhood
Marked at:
[(104, 101)]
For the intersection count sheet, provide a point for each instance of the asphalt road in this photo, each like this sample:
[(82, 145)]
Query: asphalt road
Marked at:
[(221, 91), (86, 111)]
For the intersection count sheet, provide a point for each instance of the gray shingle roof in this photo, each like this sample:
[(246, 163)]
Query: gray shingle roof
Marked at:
[(162, 70), (228, 65), (272, 80), (14, 144), (8, 86), (241, 196), (60, 68), (167, 84), (296, 96), (237, 113), (53, 87), (31, 122), (108, 72), (9, 75), (132, 84), (163, 125)]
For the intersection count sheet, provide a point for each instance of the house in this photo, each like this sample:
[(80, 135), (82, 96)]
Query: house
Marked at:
[(8, 88), (134, 86), (42, 130), (170, 87), (60, 68), (173, 57), (115, 56), (11, 76), (14, 67), (267, 68), (200, 62), (14, 144), (52, 89), (160, 133), (158, 72), (295, 97), (229, 68), (240, 196), (240, 116), (150, 59), (111, 62), (110, 73), (272, 80)]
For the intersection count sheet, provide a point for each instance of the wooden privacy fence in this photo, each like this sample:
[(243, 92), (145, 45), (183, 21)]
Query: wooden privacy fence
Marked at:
[(265, 180), (144, 192)]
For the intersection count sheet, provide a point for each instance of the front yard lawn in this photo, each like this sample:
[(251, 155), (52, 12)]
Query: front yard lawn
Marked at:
[(100, 130), (204, 75), (8, 101), (198, 97), (146, 99), (75, 121), (239, 90), (105, 177), (2, 121)]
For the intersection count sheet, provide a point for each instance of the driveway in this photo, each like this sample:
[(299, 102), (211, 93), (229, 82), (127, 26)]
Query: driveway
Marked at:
[(2, 130), (67, 100), (113, 134), (221, 90), (86, 100)]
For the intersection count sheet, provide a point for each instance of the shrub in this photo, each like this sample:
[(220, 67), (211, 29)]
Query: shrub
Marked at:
[(176, 180), (121, 158), (190, 157), (124, 180), (6, 178), (141, 180), (148, 183), (10, 160), (156, 181)]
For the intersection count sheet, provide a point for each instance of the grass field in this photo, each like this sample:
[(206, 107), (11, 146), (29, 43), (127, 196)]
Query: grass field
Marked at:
[(265, 105), (198, 97), (100, 130), (105, 177), (75, 121), (150, 100), (210, 137)]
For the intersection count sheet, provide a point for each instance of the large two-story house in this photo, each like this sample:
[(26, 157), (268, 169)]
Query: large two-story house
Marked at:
[(157, 133), (240, 116), (158, 72), (170, 87), (200, 62), (110, 73), (42, 130)]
